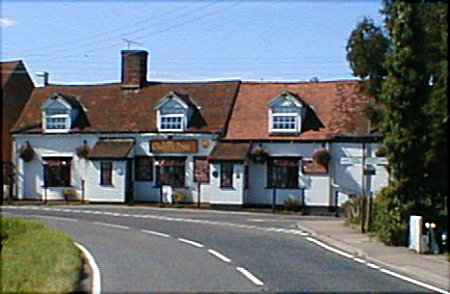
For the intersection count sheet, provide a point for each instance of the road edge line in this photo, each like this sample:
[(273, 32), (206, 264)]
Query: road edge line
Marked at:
[(96, 278), (250, 276)]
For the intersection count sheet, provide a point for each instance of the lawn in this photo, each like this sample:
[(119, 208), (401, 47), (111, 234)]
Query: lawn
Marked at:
[(36, 258)]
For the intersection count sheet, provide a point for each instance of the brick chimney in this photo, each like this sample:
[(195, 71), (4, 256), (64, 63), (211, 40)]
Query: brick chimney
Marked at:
[(134, 68)]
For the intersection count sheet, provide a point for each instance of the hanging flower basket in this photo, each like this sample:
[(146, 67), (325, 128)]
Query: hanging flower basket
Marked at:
[(381, 152), (259, 155), (83, 151), (322, 157), (26, 152)]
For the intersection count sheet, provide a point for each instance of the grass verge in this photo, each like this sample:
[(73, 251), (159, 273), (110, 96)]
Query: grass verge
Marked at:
[(36, 258)]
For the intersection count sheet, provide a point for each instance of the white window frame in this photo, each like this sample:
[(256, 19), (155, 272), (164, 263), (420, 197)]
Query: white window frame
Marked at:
[(177, 115), (288, 114), (61, 130)]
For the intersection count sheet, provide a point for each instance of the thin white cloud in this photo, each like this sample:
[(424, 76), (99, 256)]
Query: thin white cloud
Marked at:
[(7, 22)]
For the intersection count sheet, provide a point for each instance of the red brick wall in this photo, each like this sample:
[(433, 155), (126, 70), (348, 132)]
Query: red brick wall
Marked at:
[(15, 93)]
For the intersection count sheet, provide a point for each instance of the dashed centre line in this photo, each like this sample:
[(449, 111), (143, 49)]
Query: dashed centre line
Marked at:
[(193, 243), (156, 233), (219, 256), (112, 225)]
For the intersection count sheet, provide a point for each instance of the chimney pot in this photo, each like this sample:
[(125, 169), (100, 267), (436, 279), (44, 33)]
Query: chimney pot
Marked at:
[(134, 68)]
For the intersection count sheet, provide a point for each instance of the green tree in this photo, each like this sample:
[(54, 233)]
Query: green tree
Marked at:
[(406, 71)]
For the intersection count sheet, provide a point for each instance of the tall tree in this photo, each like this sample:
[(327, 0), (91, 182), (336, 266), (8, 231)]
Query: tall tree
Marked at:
[(406, 70)]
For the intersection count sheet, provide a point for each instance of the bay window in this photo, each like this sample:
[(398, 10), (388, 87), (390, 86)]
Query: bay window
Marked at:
[(283, 173)]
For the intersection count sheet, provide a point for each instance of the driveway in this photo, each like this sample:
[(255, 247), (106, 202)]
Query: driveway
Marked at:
[(142, 249)]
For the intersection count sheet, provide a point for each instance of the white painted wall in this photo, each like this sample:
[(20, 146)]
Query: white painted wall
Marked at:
[(317, 187), (350, 177), (228, 196), (114, 193), (318, 190)]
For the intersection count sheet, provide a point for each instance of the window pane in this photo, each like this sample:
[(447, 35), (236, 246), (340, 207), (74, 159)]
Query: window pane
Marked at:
[(171, 123), (226, 175), (57, 172), (56, 123), (143, 169), (284, 122), (172, 172), (106, 173), (283, 173)]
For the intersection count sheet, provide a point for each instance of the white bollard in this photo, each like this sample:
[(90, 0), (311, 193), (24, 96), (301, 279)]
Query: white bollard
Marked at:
[(415, 234)]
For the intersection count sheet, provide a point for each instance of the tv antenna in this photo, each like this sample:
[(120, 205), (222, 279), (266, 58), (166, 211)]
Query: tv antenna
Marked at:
[(130, 42)]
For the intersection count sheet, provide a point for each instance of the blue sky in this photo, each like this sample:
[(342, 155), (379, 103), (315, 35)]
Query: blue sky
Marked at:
[(80, 41)]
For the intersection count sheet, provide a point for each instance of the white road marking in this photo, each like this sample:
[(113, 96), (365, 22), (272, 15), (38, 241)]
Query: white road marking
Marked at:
[(96, 280), (54, 217), (250, 276), (321, 244), (424, 285), (156, 233), (372, 265), (112, 225), (219, 256), (359, 260), (193, 243)]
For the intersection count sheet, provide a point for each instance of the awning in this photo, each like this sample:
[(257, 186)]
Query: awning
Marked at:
[(229, 151), (111, 149)]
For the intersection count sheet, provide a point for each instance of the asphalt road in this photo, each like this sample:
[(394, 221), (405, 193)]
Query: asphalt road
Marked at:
[(265, 245)]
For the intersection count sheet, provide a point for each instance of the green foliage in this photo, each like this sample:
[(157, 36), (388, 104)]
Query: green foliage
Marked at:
[(292, 204), (389, 218), (179, 197), (35, 258), (70, 194), (353, 210), (366, 52), (406, 70)]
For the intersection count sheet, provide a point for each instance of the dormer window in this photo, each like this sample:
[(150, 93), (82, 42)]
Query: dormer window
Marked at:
[(56, 119), (173, 112), (172, 122), (57, 114), (285, 114), (285, 122)]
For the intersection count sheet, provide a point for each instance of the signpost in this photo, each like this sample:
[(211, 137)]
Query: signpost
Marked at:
[(365, 162)]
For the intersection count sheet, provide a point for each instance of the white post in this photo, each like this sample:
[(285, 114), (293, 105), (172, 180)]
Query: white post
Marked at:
[(415, 233)]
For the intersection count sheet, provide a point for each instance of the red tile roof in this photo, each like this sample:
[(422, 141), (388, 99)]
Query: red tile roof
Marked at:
[(335, 108), (109, 108), (230, 151), (111, 149)]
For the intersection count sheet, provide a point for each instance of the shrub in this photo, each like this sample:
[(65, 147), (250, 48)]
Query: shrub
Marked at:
[(353, 210), (292, 204), (388, 217), (70, 194), (381, 152), (179, 197)]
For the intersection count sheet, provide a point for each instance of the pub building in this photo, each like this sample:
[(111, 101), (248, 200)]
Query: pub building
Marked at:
[(218, 142)]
